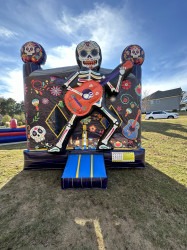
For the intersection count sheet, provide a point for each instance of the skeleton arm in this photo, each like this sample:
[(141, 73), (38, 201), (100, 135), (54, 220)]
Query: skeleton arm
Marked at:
[(70, 80), (122, 71)]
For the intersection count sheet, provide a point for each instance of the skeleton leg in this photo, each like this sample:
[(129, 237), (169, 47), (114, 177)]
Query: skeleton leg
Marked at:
[(104, 141), (63, 139)]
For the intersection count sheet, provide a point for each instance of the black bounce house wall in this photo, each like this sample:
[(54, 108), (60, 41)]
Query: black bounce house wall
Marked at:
[(83, 109)]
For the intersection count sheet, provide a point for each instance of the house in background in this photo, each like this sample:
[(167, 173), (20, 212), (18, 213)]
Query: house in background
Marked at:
[(183, 104), (168, 100)]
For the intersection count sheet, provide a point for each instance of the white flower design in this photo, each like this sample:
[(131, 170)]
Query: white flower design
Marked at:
[(45, 101), (56, 91)]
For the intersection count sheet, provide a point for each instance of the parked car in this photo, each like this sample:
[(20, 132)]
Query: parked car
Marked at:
[(161, 115)]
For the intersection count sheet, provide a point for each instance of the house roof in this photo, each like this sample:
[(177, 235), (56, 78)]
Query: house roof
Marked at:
[(167, 93)]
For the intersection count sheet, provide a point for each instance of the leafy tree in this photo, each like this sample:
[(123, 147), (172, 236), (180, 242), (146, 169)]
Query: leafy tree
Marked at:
[(1, 118), (20, 118), (6, 118), (2, 105), (19, 108), (11, 107), (7, 106)]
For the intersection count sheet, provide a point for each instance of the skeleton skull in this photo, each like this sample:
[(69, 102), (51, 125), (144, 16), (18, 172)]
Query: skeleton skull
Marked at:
[(29, 49), (135, 51), (88, 54), (37, 133)]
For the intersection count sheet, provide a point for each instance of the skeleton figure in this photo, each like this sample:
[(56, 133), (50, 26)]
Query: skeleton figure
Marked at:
[(88, 55), (38, 133)]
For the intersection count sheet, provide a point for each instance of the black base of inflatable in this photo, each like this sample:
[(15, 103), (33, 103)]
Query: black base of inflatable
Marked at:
[(41, 159)]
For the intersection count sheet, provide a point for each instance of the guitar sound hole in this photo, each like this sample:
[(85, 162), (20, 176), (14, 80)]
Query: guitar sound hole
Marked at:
[(87, 94), (132, 129)]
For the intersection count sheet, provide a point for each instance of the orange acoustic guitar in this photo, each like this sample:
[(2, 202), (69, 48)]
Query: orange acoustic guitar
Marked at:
[(81, 99)]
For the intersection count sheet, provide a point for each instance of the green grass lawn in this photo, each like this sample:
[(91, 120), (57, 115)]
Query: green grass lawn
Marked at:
[(141, 209)]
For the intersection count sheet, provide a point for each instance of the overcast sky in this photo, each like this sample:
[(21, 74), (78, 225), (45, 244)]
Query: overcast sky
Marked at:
[(158, 26)]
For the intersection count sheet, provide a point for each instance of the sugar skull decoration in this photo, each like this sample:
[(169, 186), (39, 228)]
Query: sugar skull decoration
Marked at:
[(37, 133), (88, 55), (33, 52), (134, 53)]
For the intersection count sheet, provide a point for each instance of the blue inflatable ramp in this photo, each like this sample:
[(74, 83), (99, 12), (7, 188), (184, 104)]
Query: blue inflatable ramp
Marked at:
[(84, 171)]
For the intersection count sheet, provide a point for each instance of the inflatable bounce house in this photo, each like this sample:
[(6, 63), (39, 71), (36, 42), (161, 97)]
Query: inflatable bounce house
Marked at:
[(12, 134), (84, 118)]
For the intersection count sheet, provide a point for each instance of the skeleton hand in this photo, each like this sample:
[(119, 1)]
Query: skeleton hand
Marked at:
[(65, 85), (122, 70), (125, 66)]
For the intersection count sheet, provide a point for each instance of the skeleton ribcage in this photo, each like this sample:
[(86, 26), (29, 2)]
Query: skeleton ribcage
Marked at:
[(88, 75)]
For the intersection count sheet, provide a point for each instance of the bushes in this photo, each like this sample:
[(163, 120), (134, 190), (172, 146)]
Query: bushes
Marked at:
[(20, 119), (174, 110), (6, 119)]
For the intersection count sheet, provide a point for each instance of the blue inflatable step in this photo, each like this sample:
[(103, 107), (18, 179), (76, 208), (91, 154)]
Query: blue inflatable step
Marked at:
[(84, 171)]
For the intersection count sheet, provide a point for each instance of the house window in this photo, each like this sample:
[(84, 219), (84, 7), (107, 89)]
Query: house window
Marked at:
[(154, 102)]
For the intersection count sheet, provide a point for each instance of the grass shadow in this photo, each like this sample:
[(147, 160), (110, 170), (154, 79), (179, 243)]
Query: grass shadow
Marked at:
[(164, 128), (141, 209)]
